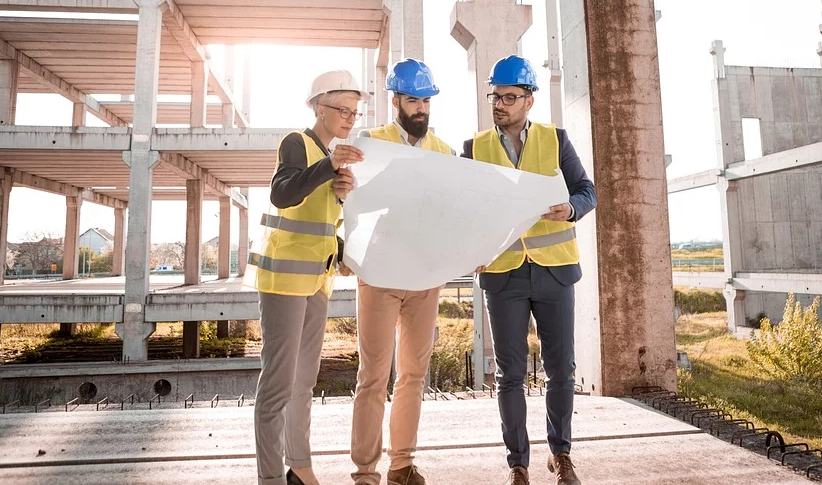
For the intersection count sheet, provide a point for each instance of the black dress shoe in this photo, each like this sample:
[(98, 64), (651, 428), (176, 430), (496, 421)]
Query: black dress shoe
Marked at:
[(291, 478)]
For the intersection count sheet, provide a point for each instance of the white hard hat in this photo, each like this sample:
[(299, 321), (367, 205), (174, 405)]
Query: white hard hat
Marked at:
[(335, 81)]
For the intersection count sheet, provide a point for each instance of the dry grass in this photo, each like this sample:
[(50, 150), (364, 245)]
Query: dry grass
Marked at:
[(699, 254), (724, 376)]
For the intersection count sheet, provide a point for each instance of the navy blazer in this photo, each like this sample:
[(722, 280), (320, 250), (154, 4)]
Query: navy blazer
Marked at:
[(583, 199)]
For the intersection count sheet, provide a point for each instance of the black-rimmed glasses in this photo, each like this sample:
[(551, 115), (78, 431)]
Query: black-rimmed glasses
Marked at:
[(507, 99)]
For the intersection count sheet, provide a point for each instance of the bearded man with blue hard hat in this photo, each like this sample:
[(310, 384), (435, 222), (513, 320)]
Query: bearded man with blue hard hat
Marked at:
[(535, 275), (389, 319)]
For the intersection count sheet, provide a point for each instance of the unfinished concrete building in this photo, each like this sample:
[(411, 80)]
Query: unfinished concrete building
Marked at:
[(771, 201), (625, 332)]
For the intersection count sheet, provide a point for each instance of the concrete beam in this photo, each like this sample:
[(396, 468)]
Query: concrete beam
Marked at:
[(47, 185), (57, 84), (189, 170), (245, 109), (230, 74), (118, 255), (802, 283), (488, 30), (176, 24), (699, 279), (384, 44), (637, 326), (804, 156), (6, 184), (64, 138), (99, 6), (9, 77), (61, 308), (71, 240), (216, 139), (694, 181)]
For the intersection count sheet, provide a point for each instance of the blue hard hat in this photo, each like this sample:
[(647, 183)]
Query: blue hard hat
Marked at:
[(413, 78), (513, 71)]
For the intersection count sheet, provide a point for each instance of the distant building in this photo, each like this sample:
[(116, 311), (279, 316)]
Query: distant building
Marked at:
[(99, 240)]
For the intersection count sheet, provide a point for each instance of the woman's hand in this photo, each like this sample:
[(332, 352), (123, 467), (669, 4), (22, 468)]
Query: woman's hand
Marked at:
[(343, 183), (344, 270), (344, 154)]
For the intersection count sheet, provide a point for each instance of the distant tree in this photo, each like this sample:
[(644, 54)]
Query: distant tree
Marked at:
[(209, 257), (11, 255), (168, 253), (39, 251), (102, 263), (85, 255)]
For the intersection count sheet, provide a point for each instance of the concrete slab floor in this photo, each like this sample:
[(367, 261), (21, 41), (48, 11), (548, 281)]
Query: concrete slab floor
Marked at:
[(616, 441)]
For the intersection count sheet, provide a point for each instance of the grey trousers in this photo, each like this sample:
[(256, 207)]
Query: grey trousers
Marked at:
[(293, 328), (532, 289)]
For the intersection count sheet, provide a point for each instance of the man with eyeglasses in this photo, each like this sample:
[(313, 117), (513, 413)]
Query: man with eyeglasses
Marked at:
[(535, 275), (389, 318)]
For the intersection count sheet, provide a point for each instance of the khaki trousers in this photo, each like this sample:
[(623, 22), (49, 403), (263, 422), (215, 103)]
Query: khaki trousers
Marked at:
[(386, 318)]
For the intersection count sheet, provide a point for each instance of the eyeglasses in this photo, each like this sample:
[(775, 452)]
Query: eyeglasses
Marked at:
[(507, 99), (345, 113)]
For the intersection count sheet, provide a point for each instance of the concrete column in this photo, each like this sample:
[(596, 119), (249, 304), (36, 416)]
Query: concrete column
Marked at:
[(383, 105), (554, 62), (632, 220), (134, 330), (729, 198), (488, 30), (395, 36), (118, 256), (819, 51), (194, 217), (6, 183), (199, 92), (9, 75), (230, 72), (78, 115), (247, 84), (70, 242), (413, 29), (224, 254), (242, 252), (70, 251), (369, 75)]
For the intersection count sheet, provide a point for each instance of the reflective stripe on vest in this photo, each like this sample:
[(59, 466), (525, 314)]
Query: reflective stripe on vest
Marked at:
[(303, 227), (296, 252), (547, 243), (390, 132)]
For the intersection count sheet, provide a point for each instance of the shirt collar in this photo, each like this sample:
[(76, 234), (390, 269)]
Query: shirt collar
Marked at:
[(522, 135)]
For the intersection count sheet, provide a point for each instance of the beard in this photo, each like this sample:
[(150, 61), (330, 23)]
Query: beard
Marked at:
[(416, 126), (504, 119)]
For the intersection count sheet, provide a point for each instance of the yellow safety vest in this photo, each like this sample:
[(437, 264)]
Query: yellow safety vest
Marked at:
[(390, 132), (293, 255), (547, 243)]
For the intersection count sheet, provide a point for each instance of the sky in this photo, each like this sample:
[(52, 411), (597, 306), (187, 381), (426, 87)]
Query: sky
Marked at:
[(754, 32)]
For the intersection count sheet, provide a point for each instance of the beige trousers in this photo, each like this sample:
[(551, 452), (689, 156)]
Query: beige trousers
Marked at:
[(386, 318)]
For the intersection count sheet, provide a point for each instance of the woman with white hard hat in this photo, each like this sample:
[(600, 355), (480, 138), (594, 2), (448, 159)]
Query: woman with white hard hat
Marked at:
[(292, 267)]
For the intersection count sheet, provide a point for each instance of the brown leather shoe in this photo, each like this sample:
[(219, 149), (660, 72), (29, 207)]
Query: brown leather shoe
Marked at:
[(518, 476), (405, 476), (563, 468)]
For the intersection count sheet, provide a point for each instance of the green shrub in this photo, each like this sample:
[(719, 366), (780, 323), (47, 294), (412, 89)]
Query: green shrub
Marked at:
[(793, 348), (345, 326), (448, 359), (699, 301), (453, 309)]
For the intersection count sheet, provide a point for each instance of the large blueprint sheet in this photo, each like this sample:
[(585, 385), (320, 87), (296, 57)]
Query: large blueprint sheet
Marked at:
[(418, 219)]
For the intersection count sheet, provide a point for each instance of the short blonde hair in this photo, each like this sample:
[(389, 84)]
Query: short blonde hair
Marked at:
[(332, 97)]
